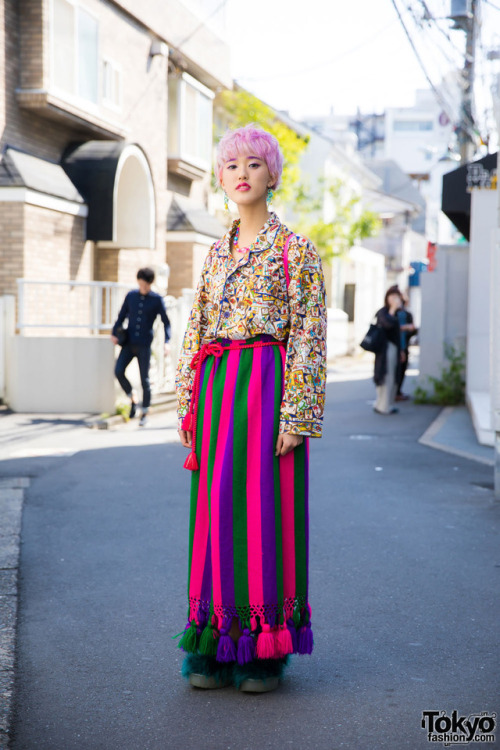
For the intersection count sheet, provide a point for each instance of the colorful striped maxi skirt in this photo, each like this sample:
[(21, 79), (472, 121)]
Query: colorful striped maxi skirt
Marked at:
[(249, 521)]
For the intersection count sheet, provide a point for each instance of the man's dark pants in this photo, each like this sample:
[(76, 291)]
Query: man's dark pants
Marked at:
[(127, 354)]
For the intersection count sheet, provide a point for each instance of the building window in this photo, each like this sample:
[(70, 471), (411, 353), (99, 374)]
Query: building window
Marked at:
[(190, 121), (75, 40), (413, 126), (111, 84)]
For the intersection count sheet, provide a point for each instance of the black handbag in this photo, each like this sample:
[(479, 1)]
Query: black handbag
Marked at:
[(122, 335), (374, 340)]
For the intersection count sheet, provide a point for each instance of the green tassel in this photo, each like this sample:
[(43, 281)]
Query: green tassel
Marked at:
[(188, 640), (296, 617), (208, 641)]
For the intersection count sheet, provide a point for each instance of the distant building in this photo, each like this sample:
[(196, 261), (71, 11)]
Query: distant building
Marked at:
[(420, 139)]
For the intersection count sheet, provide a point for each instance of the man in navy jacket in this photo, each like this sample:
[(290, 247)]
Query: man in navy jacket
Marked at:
[(141, 307)]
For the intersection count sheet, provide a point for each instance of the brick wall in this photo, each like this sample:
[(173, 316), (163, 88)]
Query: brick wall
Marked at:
[(11, 246), (33, 46), (180, 257), (24, 62)]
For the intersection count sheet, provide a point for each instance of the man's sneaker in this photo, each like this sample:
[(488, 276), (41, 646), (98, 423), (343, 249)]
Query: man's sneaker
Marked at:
[(143, 420), (133, 409)]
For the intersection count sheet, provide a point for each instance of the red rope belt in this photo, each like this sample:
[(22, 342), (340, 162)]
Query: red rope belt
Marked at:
[(215, 349)]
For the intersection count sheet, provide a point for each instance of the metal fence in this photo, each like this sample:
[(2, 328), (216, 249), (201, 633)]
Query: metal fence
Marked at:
[(90, 308)]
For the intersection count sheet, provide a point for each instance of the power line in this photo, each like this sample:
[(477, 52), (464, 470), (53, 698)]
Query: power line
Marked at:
[(428, 16), (420, 61)]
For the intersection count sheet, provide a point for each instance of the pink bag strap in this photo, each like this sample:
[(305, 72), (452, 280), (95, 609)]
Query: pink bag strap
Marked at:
[(285, 260)]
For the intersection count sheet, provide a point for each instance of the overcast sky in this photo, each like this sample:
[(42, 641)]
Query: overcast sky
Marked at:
[(311, 56)]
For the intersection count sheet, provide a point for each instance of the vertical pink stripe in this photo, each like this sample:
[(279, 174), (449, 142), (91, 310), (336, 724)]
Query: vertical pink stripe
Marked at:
[(227, 400), (200, 540), (254, 520), (287, 490), (287, 480)]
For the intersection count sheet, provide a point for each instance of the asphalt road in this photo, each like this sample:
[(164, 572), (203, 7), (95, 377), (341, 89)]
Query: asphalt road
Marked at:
[(405, 569)]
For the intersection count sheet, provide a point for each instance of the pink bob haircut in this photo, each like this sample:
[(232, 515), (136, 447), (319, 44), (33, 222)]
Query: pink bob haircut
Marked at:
[(252, 141)]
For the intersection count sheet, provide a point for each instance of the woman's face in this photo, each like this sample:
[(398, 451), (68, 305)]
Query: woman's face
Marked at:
[(246, 179), (394, 300)]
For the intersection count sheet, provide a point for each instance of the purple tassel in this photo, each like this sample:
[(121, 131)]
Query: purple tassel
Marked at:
[(306, 642), (226, 650), (293, 632), (246, 648)]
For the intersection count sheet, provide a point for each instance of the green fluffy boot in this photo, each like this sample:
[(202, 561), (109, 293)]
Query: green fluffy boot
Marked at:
[(260, 675), (206, 672)]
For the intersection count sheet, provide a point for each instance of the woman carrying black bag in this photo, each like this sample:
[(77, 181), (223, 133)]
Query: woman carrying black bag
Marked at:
[(387, 360)]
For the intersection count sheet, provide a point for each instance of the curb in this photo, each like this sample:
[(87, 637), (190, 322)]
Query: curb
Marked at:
[(165, 404), (433, 430), (12, 492)]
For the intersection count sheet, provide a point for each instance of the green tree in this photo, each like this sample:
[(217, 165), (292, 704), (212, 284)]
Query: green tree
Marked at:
[(237, 108), (348, 225)]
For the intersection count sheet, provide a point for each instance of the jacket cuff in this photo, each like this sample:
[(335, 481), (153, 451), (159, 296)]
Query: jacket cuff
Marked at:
[(294, 426)]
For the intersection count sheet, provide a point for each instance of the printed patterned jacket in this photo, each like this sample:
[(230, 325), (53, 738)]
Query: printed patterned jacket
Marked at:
[(238, 299)]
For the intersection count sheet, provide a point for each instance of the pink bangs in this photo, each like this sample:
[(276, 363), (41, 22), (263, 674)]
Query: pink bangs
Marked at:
[(253, 141)]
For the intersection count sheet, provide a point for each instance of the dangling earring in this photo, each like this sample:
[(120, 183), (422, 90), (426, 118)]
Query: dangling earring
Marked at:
[(269, 196), (226, 201)]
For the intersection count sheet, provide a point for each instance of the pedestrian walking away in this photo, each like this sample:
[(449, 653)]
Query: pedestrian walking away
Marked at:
[(387, 360), (141, 307), (251, 388)]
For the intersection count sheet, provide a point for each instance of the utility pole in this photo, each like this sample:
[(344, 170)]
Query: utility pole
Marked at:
[(465, 15)]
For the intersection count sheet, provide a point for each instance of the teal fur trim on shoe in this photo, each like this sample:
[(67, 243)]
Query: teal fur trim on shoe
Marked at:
[(259, 669), (209, 667)]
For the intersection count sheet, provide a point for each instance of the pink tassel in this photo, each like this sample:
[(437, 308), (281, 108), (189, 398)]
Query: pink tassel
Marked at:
[(191, 462), (284, 644), (187, 422), (265, 644)]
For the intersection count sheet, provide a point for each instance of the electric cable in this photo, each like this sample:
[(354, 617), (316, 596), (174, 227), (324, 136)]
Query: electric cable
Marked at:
[(469, 126)]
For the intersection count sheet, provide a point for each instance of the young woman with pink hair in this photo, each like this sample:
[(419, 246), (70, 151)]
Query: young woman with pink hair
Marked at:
[(250, 385)]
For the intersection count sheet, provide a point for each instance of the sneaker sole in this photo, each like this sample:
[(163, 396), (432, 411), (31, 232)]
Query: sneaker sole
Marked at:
[(205, 683), (259, 686)]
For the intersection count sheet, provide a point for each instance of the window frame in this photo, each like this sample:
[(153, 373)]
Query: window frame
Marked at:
[(181, 151), (74, 96), (117, 68), (414, 130)]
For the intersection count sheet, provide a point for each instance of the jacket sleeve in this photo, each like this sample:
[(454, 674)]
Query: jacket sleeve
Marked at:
[(164, 319), (386, 320), (124, 313), (193, 338), (305, 365)]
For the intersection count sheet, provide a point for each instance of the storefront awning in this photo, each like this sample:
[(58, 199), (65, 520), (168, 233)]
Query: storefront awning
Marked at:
[(457, 186)]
